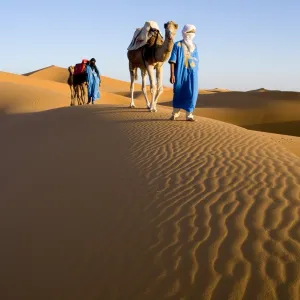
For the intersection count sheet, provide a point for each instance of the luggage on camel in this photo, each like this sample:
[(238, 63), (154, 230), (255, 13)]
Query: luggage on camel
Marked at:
[(80, 68), (143, 35), (79, 72)]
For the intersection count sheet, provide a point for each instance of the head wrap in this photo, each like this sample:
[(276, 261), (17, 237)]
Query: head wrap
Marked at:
[(189, 36)]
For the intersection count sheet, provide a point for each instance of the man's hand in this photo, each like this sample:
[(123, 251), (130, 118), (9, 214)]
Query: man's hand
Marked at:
[(172, 71), (172, 79)]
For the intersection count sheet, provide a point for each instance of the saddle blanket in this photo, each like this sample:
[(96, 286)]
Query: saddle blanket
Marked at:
[(142, 35)]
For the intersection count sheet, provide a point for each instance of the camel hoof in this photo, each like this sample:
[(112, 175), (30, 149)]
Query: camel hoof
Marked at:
[(153, 110), (132, 106)]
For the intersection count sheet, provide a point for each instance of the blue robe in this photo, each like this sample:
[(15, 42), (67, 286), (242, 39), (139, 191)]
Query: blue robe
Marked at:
[(93, 81), (186, 77)]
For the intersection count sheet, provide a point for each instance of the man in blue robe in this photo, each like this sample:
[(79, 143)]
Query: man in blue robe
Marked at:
[(184, 74), (93, 81)]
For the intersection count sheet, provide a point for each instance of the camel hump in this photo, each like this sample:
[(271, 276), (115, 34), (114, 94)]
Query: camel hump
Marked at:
[(143, 35)]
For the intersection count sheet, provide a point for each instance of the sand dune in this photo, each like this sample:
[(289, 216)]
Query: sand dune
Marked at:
[(276, 112), (21, 94), (104, 202), (58, 74), (218, 90), (261, 109), (50, 73), (291, 143), (262, 90)]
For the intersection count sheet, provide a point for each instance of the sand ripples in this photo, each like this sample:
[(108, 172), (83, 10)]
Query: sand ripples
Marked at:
[(226, 209)]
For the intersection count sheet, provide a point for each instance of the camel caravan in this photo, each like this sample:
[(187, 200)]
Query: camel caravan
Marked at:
[(147, 51)]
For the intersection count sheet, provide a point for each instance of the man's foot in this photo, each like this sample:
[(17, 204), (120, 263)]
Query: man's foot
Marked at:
[(191, 119), (173, 118)]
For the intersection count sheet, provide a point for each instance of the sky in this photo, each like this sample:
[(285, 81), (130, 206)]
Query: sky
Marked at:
[(242, 45)]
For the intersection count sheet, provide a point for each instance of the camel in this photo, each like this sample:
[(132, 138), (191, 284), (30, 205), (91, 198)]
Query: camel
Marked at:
[(149, 58), (70, 83), (77, 88)]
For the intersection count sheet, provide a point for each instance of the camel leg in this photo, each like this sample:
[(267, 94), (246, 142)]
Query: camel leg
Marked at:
[(144, 87), (83, 94), (71, 90), (150, 70), (78, 94), (73, 99), (132, 78), (160, 88), (73, 94)]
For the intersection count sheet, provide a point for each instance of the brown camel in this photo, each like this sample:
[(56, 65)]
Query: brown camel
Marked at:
[(77, 88), (70, 83), (149, 58)]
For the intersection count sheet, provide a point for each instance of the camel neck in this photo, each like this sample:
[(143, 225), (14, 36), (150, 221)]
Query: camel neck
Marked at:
[(164, 51)]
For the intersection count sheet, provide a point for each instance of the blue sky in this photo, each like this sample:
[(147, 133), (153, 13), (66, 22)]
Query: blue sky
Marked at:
[(242, 45)]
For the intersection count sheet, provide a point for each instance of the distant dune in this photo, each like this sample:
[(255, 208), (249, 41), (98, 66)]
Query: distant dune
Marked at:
[(52, 73), (106, 202), (218, 90), (263, 90)]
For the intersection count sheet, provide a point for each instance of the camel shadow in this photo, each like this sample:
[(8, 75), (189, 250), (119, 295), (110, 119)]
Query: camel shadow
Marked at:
[(137, 94), (105, 110)]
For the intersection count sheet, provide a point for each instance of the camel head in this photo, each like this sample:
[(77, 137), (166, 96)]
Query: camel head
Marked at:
[(155, 38), (71, 70), (170, 29)]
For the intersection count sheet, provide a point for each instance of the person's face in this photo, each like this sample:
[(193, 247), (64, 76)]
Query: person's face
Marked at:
[(192, 31), (93, 63)]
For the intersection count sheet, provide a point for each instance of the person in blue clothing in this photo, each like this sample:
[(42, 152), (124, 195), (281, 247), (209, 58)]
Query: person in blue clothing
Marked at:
[(93, 81), (184, 74)]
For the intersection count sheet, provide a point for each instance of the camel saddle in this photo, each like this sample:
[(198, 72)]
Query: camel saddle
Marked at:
[(142, 35)]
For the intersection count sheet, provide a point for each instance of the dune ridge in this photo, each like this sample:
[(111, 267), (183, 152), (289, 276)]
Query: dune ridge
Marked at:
[(106, 202)]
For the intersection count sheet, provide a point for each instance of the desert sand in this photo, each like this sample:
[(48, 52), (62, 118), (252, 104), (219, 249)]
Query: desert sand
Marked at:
[(105, 202)]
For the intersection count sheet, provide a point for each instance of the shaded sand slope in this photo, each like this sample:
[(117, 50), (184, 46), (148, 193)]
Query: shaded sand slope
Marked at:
[(102, 202)]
